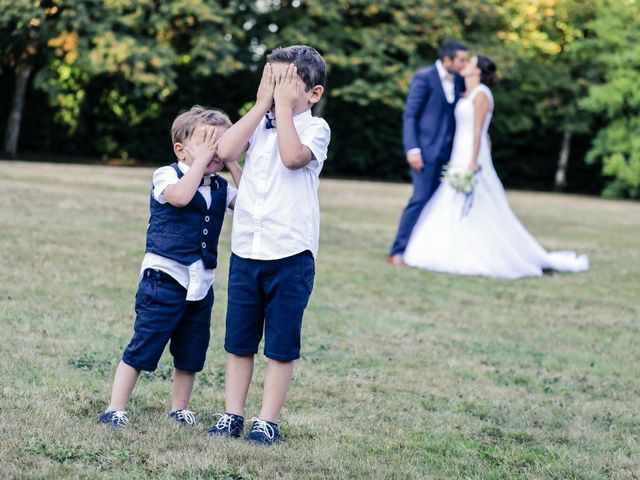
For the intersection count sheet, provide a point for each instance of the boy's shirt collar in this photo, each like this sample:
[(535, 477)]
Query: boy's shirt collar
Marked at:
[(184, 168), (298, 120), (206, 179), (302, 117)]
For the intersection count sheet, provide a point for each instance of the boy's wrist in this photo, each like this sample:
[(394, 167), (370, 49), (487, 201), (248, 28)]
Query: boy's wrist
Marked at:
[(262, 107), (283, 109)]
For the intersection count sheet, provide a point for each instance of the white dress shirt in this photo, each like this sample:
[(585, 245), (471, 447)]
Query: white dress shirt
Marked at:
[(446, 79), (277, 213), (194, 278)]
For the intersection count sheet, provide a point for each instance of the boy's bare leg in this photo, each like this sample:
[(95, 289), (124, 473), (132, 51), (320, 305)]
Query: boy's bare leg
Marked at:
[(277, 378), (237, 380), (123, 382), (182, 386)]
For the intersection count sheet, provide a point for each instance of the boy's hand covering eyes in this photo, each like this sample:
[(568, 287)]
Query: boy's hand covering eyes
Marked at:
[(287, 85), (264, 97), (206, 146)]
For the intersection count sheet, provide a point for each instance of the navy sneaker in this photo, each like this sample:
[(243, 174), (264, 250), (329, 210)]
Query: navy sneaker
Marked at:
[(263, 432), (183, 417), (115, 418), (228, 425)]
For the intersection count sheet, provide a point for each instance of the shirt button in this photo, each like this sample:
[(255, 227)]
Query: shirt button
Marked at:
[(205, 231), (206, 219), (204, 245)]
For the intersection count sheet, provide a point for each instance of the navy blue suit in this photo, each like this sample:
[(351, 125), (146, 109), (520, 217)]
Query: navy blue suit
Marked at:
[(428, 124)]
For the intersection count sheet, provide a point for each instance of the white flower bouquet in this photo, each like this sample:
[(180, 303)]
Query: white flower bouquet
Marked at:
[(462, 180)]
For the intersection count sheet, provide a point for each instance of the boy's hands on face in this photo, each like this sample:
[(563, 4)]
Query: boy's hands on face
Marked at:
[(204, 146), (264, 97), (286, 93)]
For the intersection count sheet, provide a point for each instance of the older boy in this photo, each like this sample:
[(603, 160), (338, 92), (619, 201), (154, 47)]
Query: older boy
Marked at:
[(175, 294), (275, 234)]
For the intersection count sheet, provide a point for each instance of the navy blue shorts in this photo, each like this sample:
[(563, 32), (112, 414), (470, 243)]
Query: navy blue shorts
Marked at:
[(269, 296), (163, 314)]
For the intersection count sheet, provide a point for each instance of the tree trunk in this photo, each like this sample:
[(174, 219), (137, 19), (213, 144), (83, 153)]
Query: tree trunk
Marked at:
[(563, 162), (23, 72)]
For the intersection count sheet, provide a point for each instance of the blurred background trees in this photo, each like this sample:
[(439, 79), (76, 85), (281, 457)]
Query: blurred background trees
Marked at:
[(104, 78)]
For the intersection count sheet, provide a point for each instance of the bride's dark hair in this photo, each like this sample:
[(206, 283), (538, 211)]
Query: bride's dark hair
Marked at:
[(488, 74)]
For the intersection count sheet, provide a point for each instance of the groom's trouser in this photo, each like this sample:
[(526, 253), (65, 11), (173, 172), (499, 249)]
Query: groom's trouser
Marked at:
[(425, 182)]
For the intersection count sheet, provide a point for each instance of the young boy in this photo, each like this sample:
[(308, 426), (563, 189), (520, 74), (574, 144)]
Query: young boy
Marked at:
[(175, 293), (275, 234)]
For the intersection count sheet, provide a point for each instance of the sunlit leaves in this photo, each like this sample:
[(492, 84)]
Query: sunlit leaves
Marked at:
[(615, 44)]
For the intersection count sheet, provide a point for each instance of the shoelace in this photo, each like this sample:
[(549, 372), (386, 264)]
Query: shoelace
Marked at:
[(262, 426), (119, 418), (224, 422), (187, 416)]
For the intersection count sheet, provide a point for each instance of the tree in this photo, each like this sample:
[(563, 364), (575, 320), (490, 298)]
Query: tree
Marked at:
[(25, 27), (614, 44), (105, 78), (111, 66), (537, 114)]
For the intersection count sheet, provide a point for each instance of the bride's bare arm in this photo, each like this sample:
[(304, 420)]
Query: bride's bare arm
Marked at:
[(481, 109)]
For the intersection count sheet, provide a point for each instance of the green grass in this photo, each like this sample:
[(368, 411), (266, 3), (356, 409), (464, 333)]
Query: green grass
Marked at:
[(405, 373)]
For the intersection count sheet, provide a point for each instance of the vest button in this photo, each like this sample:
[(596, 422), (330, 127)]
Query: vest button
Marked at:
[(206, 219), (205, 231), (204, 245)]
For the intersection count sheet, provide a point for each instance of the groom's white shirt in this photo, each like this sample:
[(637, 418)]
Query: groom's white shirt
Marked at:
[(448, 86), (446, 79)]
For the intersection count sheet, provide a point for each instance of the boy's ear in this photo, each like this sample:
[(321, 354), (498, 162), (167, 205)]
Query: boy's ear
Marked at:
[(316, 94), (179, 150)]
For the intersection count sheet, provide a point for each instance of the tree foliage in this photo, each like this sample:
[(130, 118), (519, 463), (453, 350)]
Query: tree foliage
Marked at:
[(109, 75), (615, 46)]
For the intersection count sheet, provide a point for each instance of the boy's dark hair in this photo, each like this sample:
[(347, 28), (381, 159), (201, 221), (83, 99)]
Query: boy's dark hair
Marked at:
[(449, 49), (488, 68), (185, 123), (310, 64)]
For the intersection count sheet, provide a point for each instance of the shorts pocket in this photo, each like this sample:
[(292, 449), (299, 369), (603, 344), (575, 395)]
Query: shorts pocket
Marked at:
[(146, 291), (308, 271)]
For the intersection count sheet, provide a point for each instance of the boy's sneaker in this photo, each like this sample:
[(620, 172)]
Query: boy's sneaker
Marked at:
[(183, 417), (263, 432), (115, 418), (228, 425)]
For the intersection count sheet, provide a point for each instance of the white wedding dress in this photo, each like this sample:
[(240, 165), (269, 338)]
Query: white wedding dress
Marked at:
[(489, 240)]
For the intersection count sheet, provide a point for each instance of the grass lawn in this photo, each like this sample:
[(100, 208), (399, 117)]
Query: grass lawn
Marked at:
[(405, 373)]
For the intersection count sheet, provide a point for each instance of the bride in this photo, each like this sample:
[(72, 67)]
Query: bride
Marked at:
[(485, 238)]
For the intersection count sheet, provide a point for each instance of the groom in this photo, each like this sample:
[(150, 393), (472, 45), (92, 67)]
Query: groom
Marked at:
[(427, 133)]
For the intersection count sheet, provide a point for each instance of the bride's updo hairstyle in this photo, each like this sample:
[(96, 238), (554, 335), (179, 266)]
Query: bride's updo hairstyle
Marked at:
[(488, 74)]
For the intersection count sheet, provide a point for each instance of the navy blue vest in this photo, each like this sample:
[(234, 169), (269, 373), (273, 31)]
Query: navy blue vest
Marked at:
[(190, 233)]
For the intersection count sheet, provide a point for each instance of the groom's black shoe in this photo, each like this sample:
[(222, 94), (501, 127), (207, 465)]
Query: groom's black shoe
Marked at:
[(396, 260)]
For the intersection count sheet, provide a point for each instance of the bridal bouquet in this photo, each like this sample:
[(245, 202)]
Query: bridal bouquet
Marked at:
[(462, 180)]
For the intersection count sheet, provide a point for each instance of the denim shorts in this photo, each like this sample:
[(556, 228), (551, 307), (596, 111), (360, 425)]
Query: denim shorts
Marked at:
[(268, 296), (164, 315)]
